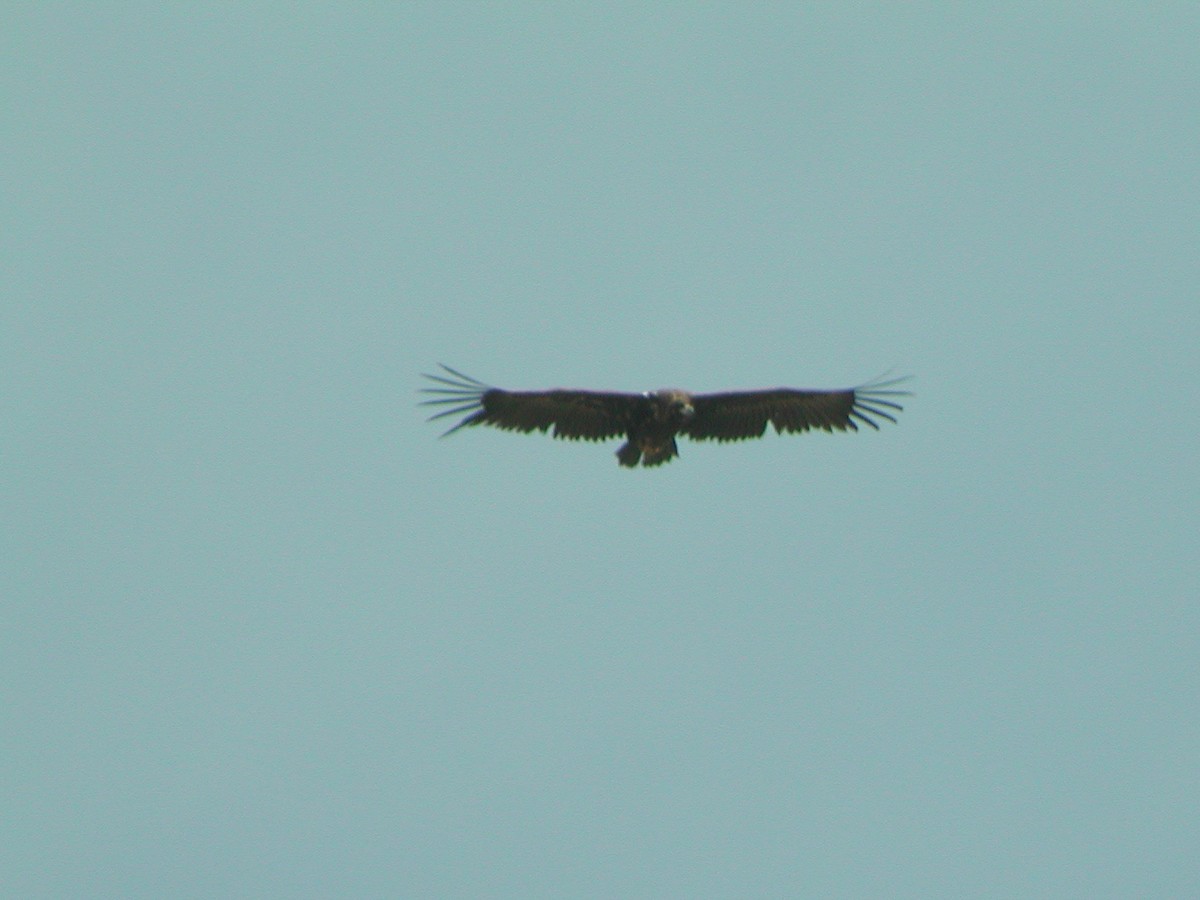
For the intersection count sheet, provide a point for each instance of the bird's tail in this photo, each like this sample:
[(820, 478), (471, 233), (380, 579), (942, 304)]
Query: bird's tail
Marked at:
[(649, 454), (657, 454)]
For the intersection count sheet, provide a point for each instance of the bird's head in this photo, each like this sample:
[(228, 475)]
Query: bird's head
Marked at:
[(675, 405)]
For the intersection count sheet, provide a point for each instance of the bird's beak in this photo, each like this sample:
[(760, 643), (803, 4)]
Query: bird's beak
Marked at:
[(688, 410)]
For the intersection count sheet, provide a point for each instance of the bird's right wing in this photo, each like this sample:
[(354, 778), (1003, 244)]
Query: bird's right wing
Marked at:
[(573, 414)]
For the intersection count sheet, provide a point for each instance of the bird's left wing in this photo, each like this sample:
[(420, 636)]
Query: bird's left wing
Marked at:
[(573, 414), (740, 415)]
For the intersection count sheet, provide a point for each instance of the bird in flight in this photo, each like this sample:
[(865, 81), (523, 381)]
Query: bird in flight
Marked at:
[(650, 422)]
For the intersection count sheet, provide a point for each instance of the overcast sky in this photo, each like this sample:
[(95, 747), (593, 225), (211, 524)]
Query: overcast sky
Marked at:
[(264, 634)]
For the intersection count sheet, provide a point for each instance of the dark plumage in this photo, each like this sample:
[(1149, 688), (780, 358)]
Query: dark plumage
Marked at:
[(650, 422)]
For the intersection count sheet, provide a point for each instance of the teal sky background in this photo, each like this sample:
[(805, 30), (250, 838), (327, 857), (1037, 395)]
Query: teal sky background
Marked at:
[(265, 635)]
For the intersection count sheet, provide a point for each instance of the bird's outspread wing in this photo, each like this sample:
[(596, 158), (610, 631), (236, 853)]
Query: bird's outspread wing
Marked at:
[(740, 415), (573, 414)]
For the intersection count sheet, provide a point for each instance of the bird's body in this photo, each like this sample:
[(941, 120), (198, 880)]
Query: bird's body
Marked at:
[(651, 422), (653, 426)]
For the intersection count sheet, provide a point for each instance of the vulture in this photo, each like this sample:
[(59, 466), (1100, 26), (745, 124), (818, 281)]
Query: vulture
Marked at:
[(650, 422)]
